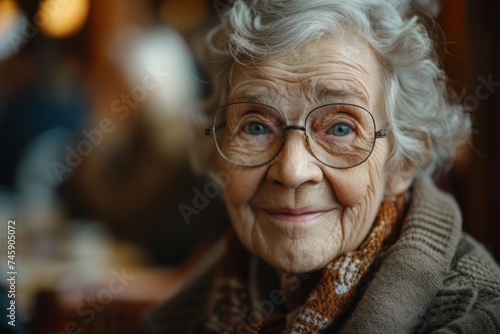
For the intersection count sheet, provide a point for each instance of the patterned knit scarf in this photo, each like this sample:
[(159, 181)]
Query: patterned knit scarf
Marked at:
[(230, 309)]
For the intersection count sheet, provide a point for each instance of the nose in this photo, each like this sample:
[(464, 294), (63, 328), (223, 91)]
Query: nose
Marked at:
[(295, 165)]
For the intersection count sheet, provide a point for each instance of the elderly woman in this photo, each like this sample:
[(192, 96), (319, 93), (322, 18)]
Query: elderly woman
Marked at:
[(332, 116)]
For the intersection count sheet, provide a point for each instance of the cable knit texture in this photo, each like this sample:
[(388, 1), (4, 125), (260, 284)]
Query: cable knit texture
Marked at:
[(434, 279)]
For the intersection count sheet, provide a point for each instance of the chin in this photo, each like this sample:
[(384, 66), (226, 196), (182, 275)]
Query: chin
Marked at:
[(297, 263)]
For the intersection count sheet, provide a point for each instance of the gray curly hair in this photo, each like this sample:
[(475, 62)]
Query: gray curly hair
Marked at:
[(424, 115)]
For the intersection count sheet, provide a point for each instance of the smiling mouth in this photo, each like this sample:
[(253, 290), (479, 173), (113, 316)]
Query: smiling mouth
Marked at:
[(296, 215)]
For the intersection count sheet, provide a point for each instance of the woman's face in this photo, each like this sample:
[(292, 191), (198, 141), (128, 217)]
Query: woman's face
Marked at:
[(295, 212)]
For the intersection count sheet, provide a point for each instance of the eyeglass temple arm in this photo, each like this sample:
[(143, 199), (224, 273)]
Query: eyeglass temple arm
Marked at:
[(382, 133), (209, 131)]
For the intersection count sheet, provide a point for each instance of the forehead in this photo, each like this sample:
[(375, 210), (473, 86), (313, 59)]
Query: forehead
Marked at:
[(330, 70)]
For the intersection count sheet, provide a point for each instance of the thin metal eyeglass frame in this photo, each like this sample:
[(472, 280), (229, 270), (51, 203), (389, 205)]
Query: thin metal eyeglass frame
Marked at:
[(210, 131)]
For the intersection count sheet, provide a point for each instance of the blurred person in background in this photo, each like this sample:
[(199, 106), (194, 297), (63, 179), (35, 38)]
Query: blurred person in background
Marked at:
[(118, 202)]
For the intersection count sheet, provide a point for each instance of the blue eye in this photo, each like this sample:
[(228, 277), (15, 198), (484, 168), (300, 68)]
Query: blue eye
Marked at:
[(256, 129), (340, 130)]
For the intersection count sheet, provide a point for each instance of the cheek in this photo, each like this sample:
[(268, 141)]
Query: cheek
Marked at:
[(353, 188), (357, 185), (241, 186), (359, 190)]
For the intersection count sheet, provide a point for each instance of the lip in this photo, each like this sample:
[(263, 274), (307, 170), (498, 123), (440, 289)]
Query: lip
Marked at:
[(303, 215)]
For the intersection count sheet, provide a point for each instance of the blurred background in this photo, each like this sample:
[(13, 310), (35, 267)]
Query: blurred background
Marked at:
[(94, 97)]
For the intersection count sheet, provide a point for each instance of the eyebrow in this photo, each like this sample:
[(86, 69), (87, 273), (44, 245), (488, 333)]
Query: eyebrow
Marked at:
[(335, 95), (324, 95), (255, 97)]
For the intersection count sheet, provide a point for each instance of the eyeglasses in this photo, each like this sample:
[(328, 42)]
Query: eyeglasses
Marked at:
[(339, 135)]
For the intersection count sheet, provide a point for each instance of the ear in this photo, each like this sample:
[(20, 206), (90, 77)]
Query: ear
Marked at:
[(399, 182)]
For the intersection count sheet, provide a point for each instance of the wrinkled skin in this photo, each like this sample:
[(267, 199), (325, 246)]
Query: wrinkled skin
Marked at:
[(295, 212)]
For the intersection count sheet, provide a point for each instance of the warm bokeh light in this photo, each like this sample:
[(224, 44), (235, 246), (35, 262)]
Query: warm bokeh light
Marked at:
[(10, 14), (184, 14), (62, 18)]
